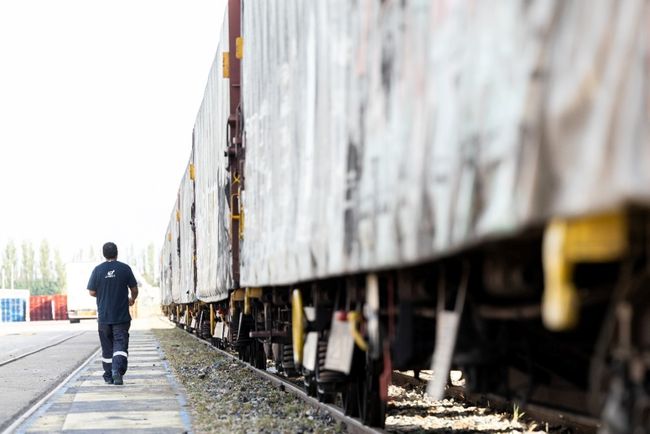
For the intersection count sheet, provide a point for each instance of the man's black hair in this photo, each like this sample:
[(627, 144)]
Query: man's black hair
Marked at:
[(110, 250)]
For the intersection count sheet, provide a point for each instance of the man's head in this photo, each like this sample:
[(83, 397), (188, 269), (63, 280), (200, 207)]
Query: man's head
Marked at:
[(110, 250)]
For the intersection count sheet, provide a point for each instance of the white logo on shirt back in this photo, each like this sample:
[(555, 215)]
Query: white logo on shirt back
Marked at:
[(110, 274)]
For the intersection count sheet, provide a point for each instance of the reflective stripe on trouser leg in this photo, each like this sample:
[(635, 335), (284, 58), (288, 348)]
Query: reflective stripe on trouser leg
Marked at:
[(106, 340), (120, 347)]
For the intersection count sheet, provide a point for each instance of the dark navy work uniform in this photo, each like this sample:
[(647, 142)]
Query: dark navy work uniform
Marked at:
[(112, 280)]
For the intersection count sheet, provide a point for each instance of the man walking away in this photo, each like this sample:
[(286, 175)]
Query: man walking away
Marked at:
[(110, 282)]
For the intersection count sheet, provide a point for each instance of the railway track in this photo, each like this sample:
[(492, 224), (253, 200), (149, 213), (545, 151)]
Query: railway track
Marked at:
[(354, 426), (535, 418), (39, 349)]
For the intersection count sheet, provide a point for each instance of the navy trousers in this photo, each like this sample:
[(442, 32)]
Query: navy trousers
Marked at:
[(115, 347)]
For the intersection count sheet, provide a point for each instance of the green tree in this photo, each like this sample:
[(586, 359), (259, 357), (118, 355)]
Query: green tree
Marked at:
[(9, 265), (44, 262), (132, 258), (149, 272), (44, 287), (27, 271), (59, 271), (92, 254)]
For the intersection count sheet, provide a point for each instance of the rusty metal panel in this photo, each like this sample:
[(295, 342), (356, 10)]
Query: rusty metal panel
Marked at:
[(212, 208), (48, 307), (380, 134), (187, 238)]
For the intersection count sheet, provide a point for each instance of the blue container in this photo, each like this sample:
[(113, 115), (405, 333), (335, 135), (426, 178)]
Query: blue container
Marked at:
[(12, 310)]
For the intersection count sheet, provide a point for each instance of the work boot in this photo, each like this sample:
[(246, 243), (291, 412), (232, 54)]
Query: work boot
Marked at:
[(117, 378), (108, 380)]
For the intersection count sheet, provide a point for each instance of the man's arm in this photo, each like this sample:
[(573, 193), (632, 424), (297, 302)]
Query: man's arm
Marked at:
[(92, 285), (134, 294)]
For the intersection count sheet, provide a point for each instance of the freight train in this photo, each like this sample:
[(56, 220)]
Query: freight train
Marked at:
[(390, 185)]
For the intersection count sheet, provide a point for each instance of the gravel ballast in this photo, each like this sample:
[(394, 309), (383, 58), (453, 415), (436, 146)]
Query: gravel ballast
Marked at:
[(226, 397), (410, 410)]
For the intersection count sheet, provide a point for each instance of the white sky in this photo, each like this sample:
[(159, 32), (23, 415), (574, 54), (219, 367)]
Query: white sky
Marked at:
[(97, 105)]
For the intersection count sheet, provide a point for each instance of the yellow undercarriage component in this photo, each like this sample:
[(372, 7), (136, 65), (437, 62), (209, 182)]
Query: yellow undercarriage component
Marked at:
[(354, 318), (178, 313), (212, 320), (297, 326), (599, 238), (238, 295), (249, 294)]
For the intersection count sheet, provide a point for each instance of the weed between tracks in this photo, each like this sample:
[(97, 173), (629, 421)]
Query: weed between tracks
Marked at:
[(225, 397)]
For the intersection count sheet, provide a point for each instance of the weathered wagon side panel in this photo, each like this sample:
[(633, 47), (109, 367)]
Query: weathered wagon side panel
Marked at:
[(187, 239), (166, 266), (176, 284), (381, 134), (213, 256)]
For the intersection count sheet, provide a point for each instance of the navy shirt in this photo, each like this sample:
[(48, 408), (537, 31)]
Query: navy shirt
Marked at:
[(111, 280)]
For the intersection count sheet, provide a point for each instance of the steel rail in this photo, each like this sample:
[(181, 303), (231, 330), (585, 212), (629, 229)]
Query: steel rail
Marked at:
[(38, 350)]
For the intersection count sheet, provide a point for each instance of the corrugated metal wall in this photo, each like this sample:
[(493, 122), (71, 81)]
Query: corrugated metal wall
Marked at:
[(212, 211), (381, 134), (48, 307), (188, 290)]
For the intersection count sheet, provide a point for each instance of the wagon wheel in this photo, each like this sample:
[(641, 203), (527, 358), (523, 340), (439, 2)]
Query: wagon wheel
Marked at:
[(322, 376), (350, 393), (309, 380), (350, 399), (259, 355), (324, 397), (372, 410)]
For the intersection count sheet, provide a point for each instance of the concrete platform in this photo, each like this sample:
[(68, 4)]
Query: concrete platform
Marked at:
[(150, 401)]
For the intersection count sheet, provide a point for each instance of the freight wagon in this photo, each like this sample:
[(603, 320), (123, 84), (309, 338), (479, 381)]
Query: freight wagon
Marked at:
[(425, 184)]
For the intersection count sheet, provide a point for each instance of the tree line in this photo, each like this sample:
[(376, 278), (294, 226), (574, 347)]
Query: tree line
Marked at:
[(23, 269), (44, 273)]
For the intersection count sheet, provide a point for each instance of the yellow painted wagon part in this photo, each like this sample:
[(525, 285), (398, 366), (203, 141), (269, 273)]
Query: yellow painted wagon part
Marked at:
[(226, 64), (599, 238), (213, 323), (239, 216), (192, 172), (241, 221), (187, 316), (297, 327), (239, 47), (354, 319), (238, 295), (249, 294), (178, 313)]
